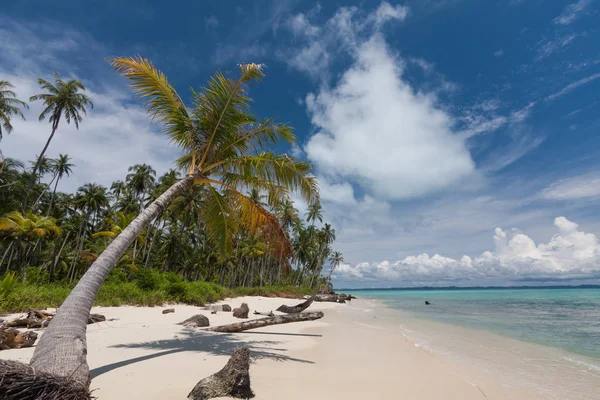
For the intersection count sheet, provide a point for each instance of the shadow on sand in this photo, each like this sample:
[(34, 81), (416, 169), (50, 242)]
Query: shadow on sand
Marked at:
[(194, 340)]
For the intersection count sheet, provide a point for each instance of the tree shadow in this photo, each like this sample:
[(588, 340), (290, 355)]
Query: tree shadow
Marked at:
[(222, 344)]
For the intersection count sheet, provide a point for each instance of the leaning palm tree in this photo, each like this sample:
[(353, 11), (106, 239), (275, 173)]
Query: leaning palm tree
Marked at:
[(9, 107), (62, 99), (224, 151)]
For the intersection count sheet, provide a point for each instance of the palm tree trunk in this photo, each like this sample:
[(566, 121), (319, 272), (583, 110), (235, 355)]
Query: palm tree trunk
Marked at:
[(55, 261), (5, 253), (52, 198), (62, 348), (37, 164)]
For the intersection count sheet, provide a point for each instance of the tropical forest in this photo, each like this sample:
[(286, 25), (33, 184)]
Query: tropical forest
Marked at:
[(222, 222)]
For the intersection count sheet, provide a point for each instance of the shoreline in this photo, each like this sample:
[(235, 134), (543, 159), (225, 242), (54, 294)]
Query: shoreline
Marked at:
[(355, 351)]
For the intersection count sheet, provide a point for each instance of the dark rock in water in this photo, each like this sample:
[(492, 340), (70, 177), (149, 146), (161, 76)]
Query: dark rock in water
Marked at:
[(225, 307), (427, 303), (241, 312), (197, 321)]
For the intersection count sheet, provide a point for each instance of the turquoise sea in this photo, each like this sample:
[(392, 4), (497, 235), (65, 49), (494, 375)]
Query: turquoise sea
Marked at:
[(546, 338), (568, 319)]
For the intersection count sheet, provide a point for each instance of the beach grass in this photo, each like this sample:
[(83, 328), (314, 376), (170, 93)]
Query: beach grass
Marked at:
[(147, 288)]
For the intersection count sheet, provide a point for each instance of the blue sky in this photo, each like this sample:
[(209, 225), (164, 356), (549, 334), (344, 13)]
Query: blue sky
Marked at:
[(449, 136)]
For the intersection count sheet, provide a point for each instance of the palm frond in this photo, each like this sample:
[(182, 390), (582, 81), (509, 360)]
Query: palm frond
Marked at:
[(163, 103), (282, 170)]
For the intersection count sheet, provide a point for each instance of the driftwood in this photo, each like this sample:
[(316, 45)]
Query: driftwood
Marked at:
[(168, 311), (269, 314), (259, 323), (197, 321), (242, 311), (11, 338), (218, 307), (20, 382), (297, 308), (41, 319), (232, 381), (327, 297)]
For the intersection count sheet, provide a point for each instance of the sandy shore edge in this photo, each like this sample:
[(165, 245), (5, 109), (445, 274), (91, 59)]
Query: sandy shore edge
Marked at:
[(354, 352)]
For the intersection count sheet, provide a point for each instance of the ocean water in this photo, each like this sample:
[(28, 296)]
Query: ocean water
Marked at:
[(547, 339)]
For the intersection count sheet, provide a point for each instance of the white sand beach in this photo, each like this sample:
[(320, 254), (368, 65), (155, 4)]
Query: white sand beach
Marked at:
[(354, 352)]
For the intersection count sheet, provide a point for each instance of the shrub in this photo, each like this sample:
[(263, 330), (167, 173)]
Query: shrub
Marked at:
[(148, 279), (176, 291)]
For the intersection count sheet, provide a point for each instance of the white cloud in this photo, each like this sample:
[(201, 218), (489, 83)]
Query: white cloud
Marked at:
[(569, 254), (386, 12), (559, 43), (578, 187), (483, 118), (572, 86), (115, 134), (301, 26), (499, 53), (572, 12), (373, 128)]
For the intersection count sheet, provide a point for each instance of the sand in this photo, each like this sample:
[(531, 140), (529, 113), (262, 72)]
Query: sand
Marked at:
[(354, 352)]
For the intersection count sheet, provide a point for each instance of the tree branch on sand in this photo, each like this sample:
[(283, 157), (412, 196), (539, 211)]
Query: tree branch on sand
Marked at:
[(259, 323), (297, 308)]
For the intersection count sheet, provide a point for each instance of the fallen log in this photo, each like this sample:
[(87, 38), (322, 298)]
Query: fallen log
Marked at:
[(259, 323), (11, 338), (232, 381), (297, 308), (41, 319), (168, 311), (269, 314), (327, 297), (21, 382)]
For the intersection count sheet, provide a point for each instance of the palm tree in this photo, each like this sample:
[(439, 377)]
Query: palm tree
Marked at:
[(61, 167), (28, 228), (117, 188), (92, 199), (62, 99), (219, 138), (9, 106), (314, 213), (334, 260), (44, 165), (141, 179)]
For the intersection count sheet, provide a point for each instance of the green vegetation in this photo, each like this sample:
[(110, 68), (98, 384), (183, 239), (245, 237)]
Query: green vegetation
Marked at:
[(234, 232), (150, 288)]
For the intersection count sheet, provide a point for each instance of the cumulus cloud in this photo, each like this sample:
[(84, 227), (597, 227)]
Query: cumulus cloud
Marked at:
[(373, 128), (569, 254), (572, 12)]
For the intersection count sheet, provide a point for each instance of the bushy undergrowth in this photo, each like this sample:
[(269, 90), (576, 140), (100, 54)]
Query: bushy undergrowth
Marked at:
[(144, 288)]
